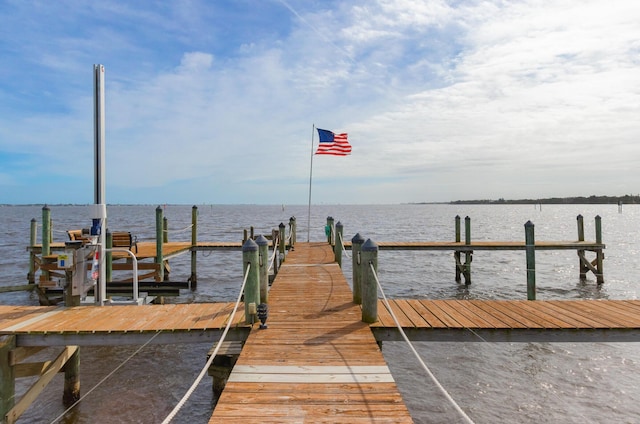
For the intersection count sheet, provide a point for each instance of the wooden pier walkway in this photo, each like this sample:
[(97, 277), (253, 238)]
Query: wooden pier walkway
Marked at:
[(317, 361)]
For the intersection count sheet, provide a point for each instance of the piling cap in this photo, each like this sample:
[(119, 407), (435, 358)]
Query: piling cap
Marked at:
[(262, 240), (369, 246), (281, 225), (339, 225), (249, 246), (357, 239)]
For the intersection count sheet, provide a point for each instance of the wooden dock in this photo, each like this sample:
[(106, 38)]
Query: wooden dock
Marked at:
[(317, 361)]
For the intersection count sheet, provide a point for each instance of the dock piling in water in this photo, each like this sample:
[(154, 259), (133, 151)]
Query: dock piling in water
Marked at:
[(263, 261), (356, 253), (252, 287), (193, 279), (530, 244), (369, 257), (337, 248), (159, 238)]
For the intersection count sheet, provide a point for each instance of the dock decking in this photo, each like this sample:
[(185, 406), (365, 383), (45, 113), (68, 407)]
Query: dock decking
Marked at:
[(317, 361)]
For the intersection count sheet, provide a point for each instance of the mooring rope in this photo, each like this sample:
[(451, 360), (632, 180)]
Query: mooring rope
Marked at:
[(415, 352), (272, 259), (106, 377), (344, 249), (184, 399), (179, 230)]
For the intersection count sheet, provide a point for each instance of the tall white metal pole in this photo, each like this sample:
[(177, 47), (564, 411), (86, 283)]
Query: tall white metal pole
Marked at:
[(313, 129), (100, 208)]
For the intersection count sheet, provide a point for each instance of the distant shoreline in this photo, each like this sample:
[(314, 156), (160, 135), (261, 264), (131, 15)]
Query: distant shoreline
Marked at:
[(580, 200)]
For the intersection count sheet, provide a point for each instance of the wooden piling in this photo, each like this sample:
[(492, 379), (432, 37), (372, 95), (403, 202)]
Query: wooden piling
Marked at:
[(71, 392), (275, 234), (531, 260), (293, 230), (456, 254), (193, 279), (108, 258), (33, 236), (337, 248), (468, 255), (356, 249), (159, 238), (252, 287), (46, 235), (581, 265), (165, 230), (283, 241), (599, 252), (7, 375), (263, 263), (328, 230), (369, 256)]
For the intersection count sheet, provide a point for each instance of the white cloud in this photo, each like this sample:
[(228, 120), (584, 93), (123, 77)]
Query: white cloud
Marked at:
[(441, 100)]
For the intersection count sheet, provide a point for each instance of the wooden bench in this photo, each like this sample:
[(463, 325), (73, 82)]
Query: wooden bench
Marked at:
[(79, 235), (124, 239), (119, 238)]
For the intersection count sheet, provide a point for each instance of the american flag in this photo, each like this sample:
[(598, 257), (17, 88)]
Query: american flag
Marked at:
[(333, 144)]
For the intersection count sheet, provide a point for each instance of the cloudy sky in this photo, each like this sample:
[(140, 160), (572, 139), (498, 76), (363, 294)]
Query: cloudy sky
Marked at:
[(215, 101)]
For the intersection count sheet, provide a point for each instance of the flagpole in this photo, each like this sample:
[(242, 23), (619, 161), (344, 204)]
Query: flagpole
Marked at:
[(313, 129)]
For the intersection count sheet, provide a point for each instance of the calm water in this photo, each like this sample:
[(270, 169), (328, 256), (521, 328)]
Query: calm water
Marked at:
[(492, 382)]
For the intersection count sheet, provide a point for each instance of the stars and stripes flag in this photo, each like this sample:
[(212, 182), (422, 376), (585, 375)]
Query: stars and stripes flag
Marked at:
[(333, 144)]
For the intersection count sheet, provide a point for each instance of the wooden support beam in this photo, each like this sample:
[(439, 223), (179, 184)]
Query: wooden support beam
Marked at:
[(29, 369), (7, 375), (18, 354), (27, 399)]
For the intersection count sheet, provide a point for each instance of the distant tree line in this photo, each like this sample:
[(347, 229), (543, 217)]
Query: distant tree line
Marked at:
[(579, 200)]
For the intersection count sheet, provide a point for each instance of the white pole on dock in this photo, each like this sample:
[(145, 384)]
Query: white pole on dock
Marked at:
[(99, 212), (313, 129)]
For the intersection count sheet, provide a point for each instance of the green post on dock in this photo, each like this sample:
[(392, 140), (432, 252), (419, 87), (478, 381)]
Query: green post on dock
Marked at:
[(250, 260), (46, 235), (159, 238), (369, 258), (530, 245), (7, 375), (263, 262), (356, 252), (328, 230), (337, 248), (31, 277), (194, 243)]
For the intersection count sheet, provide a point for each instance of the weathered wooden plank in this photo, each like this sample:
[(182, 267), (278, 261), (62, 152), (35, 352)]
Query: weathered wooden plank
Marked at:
[(315, 336), (491, 319)]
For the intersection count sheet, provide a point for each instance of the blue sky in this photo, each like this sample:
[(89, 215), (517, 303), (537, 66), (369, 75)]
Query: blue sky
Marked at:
[(214, 101)]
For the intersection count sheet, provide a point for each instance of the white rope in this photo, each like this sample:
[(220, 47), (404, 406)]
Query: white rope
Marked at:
[(272, 259), (107, 376), (344, 250), (184, 399), (415, 352), (180, 230)]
